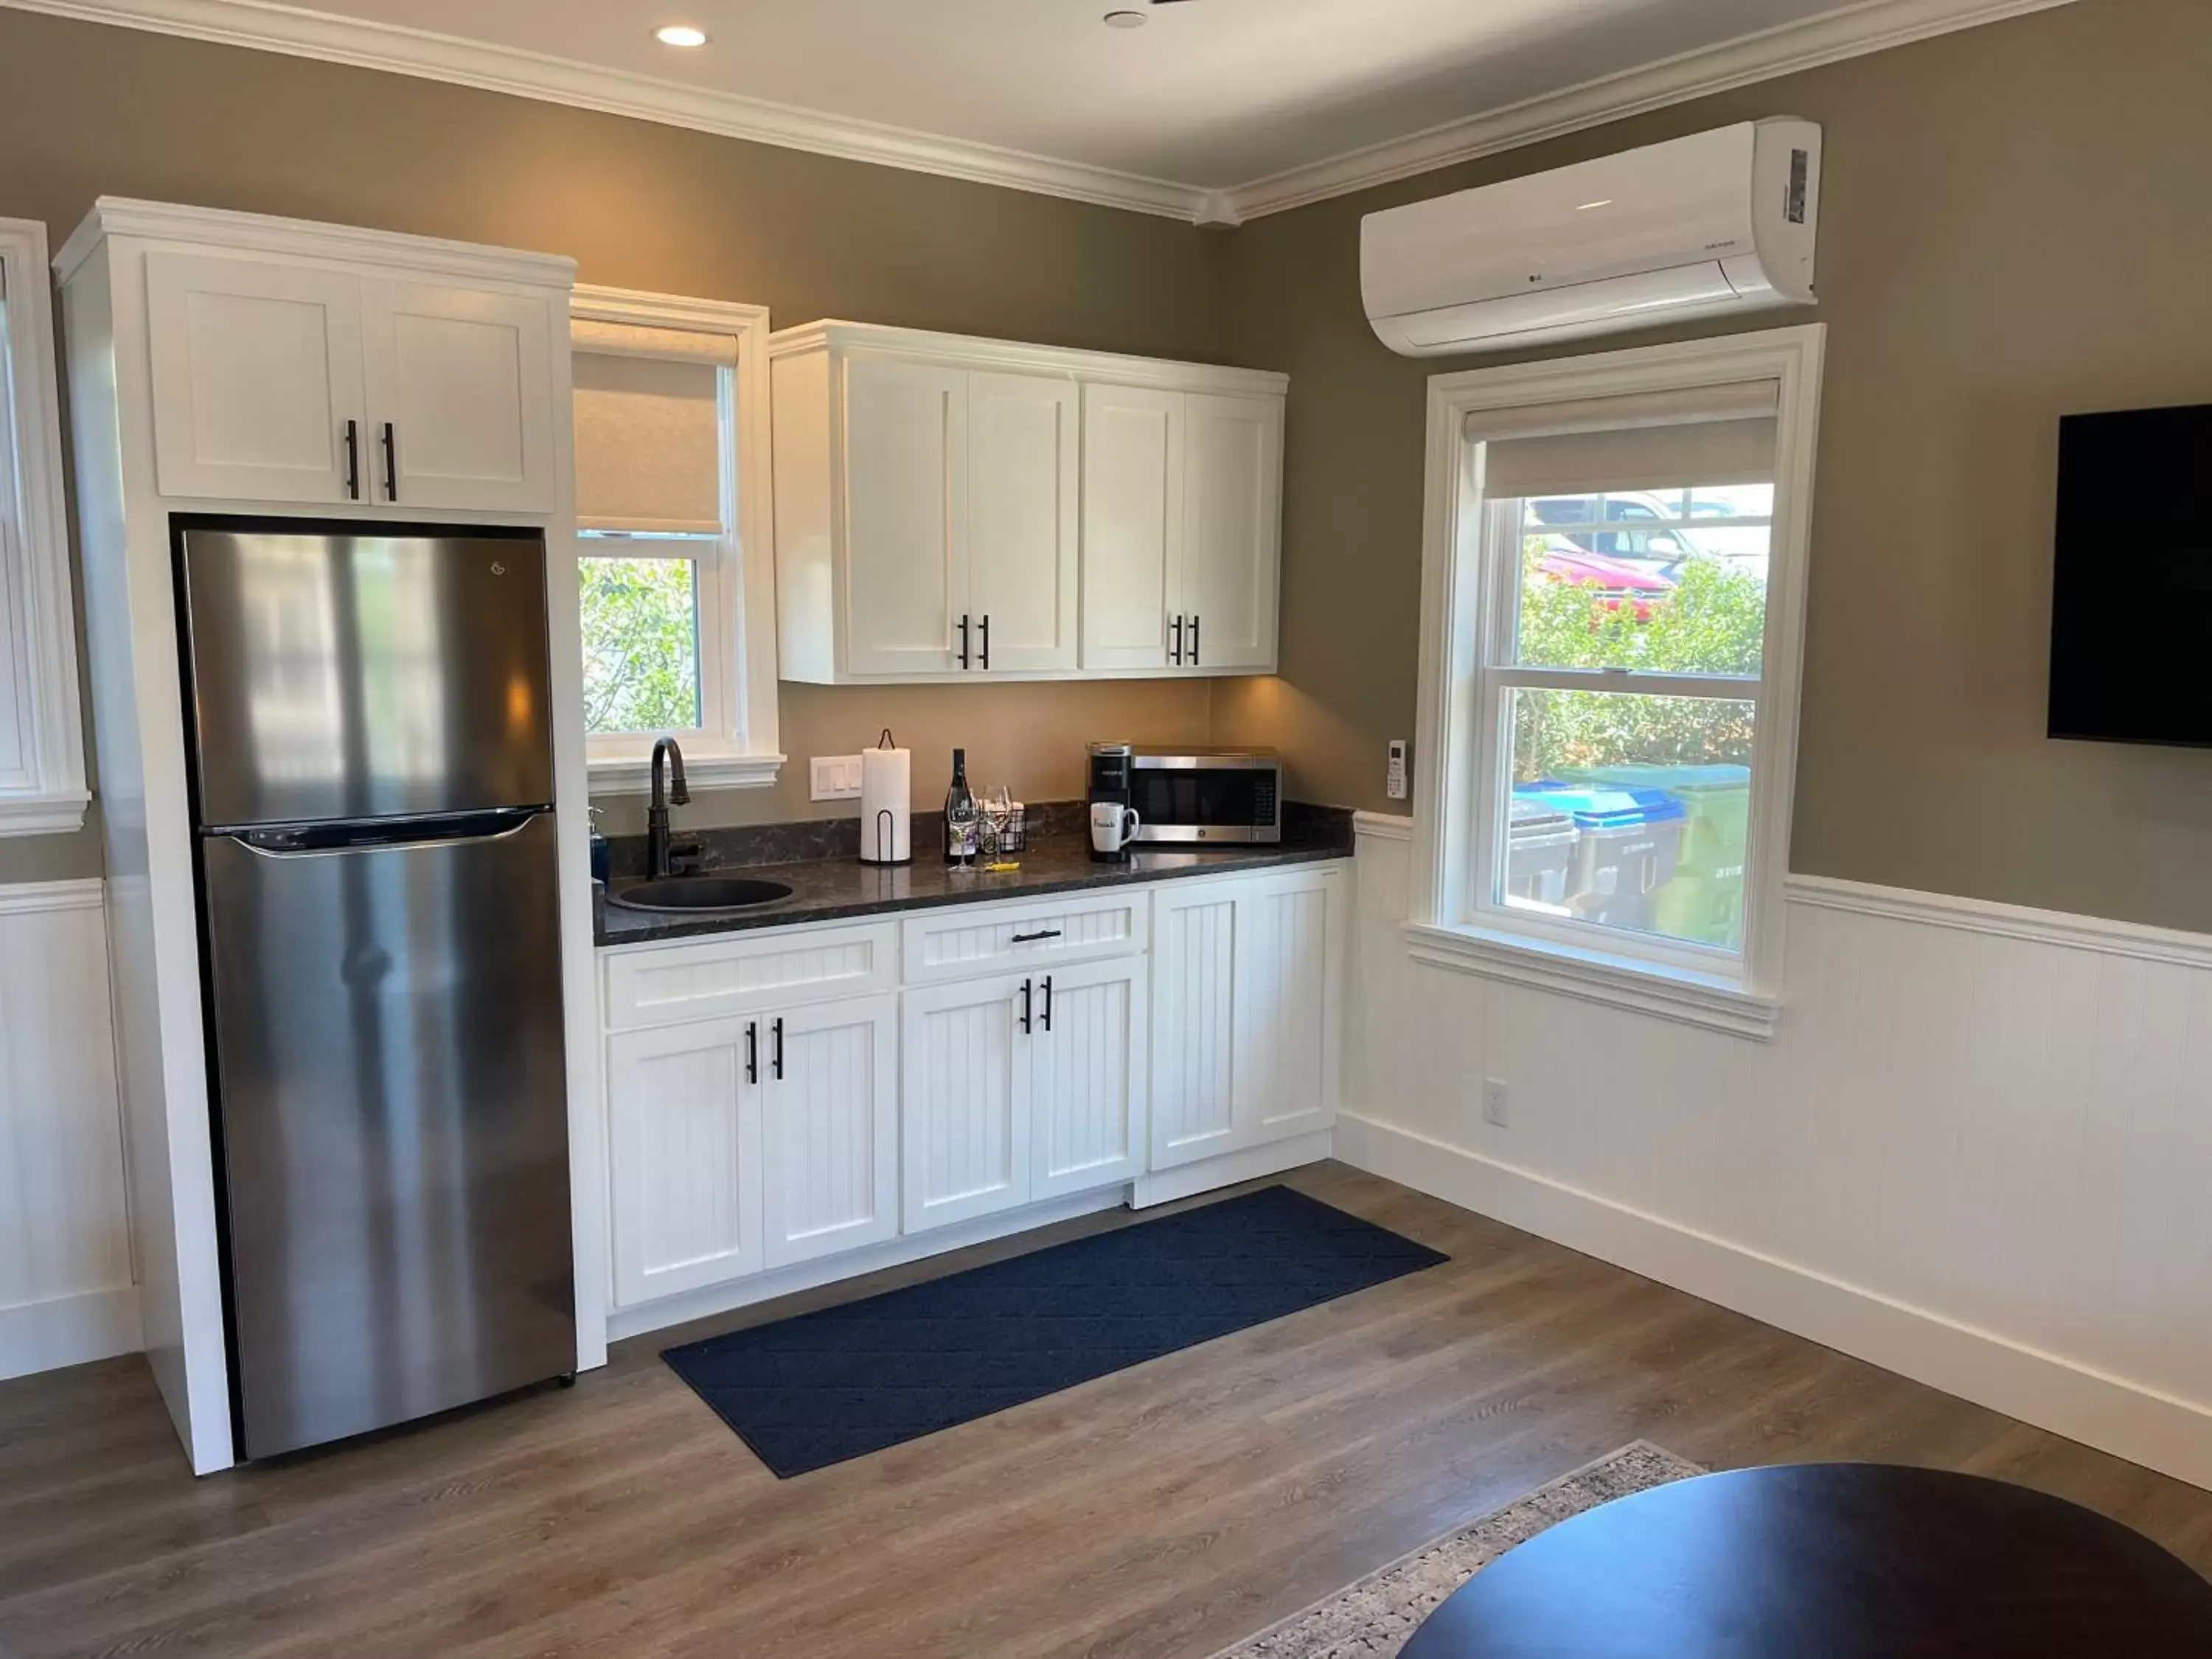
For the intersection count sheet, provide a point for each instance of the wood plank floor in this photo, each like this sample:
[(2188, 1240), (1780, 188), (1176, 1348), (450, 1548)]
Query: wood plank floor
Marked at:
[(1157, 1513)]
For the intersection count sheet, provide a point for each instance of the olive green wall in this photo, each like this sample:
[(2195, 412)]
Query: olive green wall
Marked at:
[(2014, 228), (87, 111), (2016, 224)]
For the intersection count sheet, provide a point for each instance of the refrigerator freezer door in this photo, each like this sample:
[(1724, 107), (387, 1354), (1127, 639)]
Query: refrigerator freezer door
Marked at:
[(355, 676), (392, 1093)]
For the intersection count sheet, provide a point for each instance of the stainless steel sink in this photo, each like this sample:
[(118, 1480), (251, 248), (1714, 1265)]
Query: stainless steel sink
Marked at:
[(700, 893)]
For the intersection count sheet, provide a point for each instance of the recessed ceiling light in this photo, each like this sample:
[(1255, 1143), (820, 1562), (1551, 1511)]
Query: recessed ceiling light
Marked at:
[(1125, 20), (680, 35)]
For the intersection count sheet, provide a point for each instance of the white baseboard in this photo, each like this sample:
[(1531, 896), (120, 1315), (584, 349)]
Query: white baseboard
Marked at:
[(2142, 1424), (1186, 1180), (69, 1330)]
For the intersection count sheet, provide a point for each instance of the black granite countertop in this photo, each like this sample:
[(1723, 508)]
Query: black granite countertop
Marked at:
[(1056, 860)]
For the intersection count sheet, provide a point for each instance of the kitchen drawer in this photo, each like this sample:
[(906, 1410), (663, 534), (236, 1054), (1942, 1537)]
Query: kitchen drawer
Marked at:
[(962, 943), (666, 985)]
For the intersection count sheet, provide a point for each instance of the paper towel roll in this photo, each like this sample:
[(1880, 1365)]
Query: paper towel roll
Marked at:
[(886, 804)]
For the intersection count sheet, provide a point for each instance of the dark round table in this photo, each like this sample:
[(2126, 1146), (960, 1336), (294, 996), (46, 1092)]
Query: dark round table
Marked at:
[(1829, 1561)]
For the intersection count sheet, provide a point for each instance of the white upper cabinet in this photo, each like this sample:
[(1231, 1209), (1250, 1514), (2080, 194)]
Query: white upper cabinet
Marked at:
[(948, 508), (1232, 525), (257, 379), (1133, 518), (295, 382), (460, 397), (1023, 478)]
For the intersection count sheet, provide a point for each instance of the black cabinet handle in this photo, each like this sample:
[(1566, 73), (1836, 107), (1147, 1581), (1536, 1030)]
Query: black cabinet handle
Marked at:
[(390, 466), (1175, 653), (964, 639), (353, 460), (1047, 1002), (987, 640), (1031, 938), (1194, 639), (752, 1051), (775, 1055), (1026, 1005)]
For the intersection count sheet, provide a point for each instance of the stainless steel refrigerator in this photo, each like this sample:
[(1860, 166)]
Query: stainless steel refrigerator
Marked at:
[(373, 788)]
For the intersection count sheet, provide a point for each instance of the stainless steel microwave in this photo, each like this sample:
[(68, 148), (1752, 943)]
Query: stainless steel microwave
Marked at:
[(1225, 795)]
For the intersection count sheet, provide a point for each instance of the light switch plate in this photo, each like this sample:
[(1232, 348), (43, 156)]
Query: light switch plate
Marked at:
[(836, 777)]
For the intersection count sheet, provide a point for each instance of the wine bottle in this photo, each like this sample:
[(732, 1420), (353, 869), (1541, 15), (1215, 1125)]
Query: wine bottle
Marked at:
[(959, 813)]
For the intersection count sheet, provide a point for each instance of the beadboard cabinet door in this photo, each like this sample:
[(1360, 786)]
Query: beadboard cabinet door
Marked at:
[(1247, 1001), (965, 1103), (829, 1127), (1086, 1054), (685, 1135), (257, 370)]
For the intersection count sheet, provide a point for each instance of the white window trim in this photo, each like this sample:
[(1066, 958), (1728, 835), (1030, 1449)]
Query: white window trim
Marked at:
[(739, 748), (50, 796), (1669, 984)]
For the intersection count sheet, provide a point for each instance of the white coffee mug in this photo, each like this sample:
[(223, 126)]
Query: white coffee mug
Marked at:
[(1112, 827)]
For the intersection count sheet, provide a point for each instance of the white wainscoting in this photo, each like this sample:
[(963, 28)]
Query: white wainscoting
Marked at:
[(1977, 1151), (66, 1290)]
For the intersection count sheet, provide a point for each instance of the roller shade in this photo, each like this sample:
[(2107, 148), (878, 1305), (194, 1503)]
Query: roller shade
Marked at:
[(648, 427), (1711, 436)]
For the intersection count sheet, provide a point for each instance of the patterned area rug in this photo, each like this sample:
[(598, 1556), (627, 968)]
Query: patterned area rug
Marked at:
[(1374, 1617)]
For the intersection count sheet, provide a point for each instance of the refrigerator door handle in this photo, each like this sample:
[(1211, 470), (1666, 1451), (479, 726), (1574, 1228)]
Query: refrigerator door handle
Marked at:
[(333, 841)]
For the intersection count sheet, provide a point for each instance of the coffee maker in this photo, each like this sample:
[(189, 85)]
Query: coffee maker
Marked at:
[(1113, 782)]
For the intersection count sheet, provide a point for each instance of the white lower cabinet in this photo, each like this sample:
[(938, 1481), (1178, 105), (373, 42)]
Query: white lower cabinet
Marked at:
[(740, 1143), (772, 1100), (1248, 992)]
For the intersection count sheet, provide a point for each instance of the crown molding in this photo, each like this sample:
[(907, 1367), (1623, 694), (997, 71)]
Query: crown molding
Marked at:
[(428, 55), (1111, 368), (1871, 27)]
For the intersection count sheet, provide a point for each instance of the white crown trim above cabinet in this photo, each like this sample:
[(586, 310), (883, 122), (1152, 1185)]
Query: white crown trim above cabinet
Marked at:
[(952, 509), (817, 1095)]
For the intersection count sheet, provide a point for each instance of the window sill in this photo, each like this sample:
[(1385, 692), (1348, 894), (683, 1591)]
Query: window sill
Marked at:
[(59, 814), (1641, 987), (632, 774)]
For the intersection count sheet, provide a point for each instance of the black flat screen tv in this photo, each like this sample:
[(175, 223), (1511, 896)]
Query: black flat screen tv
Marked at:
[(2131, 600)]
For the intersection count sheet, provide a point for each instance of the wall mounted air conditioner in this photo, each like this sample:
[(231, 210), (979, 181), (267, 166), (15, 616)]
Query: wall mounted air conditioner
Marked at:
[(1719, 221)]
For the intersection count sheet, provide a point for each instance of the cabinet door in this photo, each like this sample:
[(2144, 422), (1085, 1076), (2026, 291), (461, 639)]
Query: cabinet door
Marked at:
[(829, 1127), (1133, 523), (1086, 1061), (1193, 1036), (684, 1140), (460, 386), (1023, 477), (965, 1103), (906, 516), (257, 369), (1290, 956), (1232, 522)]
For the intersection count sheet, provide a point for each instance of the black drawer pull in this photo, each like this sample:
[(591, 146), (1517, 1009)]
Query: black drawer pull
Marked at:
[(1031, 938)]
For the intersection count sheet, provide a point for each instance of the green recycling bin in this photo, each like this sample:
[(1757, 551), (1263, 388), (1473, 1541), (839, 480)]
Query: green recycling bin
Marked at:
[(1705, 900)]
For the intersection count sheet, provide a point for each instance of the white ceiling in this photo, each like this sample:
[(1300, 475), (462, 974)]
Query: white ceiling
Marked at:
[(1209, 93), (1214, 109)]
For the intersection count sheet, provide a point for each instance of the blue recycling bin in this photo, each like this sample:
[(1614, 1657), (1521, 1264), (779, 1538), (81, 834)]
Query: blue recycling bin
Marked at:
[(1627, 844)]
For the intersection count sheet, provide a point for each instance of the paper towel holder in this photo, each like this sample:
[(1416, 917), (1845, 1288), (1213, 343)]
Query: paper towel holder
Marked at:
[(881, 831)]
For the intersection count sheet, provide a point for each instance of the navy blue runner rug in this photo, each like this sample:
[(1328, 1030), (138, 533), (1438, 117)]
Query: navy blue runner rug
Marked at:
[(843, 1381)]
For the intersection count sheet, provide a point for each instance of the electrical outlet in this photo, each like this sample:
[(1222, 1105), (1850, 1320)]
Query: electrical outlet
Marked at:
[(1497, 1104), (836, 777), (1395, 784)]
